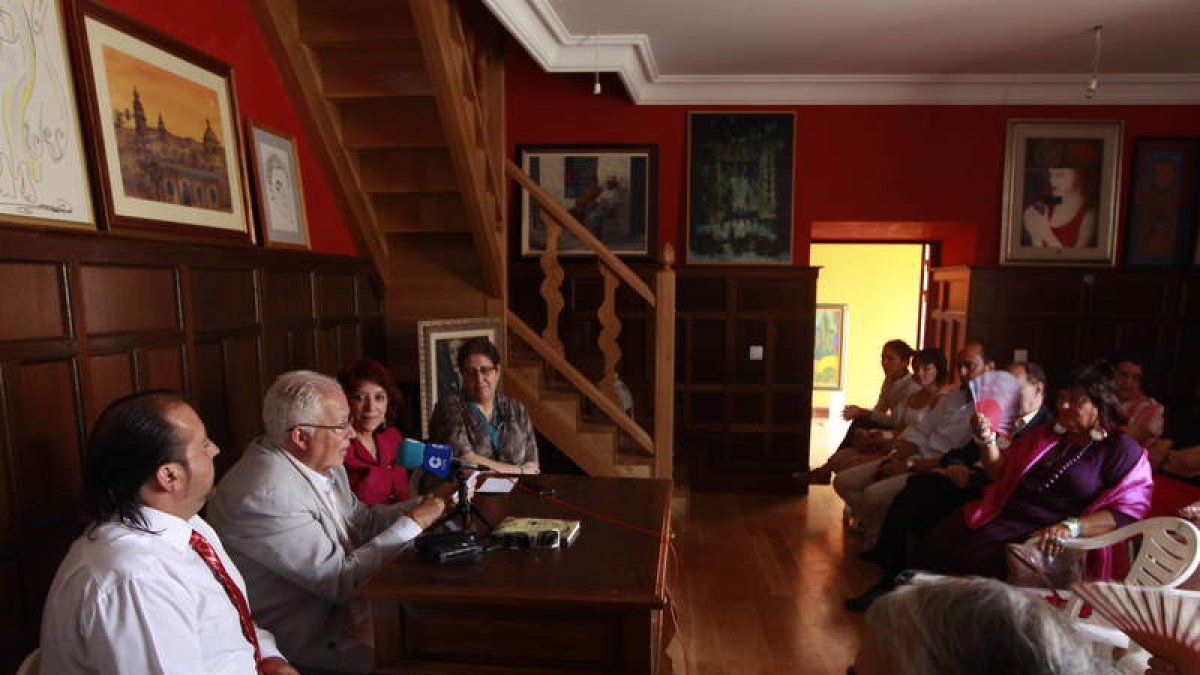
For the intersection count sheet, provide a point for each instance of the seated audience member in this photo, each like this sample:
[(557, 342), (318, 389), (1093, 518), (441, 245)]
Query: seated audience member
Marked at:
[(148, 588), (481, 424), (1077, 478), (301, 538), (1143, 415), (930, 496), (869, 488), (971, 627), (929, 373), (374, 411), (897, 386)]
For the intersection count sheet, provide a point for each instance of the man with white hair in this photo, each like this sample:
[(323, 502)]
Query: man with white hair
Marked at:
[(303, 541)]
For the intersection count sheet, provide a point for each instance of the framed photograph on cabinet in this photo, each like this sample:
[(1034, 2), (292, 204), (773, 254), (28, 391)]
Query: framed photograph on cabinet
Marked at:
[(438, 352), (43, 174), (1162, 217), (610, 189), (163, 125), (829, 347), (740, 169), (1060, 192), (278, 191)]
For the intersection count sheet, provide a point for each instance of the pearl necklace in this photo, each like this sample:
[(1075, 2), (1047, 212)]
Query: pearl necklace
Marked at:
[(1064, 465)]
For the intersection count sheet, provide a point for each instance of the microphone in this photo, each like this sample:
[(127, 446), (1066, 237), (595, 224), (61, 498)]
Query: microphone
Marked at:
[(436, 458)]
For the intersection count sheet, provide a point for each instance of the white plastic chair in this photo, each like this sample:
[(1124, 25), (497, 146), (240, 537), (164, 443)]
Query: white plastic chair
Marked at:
[(32, 663), (1169, 555)]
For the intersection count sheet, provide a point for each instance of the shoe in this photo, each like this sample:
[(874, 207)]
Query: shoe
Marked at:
[(860, 603)]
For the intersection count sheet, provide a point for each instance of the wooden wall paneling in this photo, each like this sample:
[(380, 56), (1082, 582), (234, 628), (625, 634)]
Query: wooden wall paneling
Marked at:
[(109, 377), (34, 301), (160, 368), (126, 299), (210, 396), (223, 299)]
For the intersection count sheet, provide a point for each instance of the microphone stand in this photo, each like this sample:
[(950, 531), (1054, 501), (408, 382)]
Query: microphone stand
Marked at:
[(464, 510)]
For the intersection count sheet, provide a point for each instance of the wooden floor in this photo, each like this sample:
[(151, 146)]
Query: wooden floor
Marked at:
[(764, 577)]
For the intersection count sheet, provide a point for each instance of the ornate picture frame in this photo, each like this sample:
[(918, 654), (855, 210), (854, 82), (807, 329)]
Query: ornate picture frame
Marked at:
[(1060, 192), (277, 187), (438, 343), (740, 187), (43, 174), (1163, 213), (610, 189), (829, 347), (162, 120)]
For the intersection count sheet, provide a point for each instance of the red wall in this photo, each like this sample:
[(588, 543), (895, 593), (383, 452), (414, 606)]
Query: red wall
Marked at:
[(226, 30), (853, 163)]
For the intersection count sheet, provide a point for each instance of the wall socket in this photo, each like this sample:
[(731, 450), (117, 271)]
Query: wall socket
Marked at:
[(1020, 356)]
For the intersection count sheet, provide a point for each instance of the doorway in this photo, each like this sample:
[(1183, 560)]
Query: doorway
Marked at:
[(880, 288)]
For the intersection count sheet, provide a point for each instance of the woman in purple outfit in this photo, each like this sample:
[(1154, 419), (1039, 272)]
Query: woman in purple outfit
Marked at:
[(1079, 478)]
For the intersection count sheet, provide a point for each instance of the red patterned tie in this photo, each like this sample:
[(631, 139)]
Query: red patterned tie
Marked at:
[(210, 558)]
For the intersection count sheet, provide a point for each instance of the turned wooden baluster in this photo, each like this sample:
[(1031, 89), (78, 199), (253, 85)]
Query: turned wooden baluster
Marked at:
[(552, 283), (610, 329), (664, 364)]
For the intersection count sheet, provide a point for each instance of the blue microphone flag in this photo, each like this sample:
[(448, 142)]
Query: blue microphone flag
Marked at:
[(437, 459)]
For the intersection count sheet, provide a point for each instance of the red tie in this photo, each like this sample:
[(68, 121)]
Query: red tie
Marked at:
[(210, 558)]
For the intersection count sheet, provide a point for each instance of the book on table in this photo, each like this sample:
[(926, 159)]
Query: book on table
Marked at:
[(535, 532)]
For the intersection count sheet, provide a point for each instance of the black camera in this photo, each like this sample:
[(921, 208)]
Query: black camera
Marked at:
[(449, 546)]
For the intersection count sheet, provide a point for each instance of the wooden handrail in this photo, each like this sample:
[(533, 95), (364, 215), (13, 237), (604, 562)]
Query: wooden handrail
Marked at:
[(568, 221), (576, 378)]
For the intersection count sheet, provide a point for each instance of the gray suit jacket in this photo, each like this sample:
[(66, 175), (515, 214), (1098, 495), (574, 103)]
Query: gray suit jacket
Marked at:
[(299, 576)]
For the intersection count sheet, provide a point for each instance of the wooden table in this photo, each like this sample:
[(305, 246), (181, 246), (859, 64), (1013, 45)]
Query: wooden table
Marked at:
[(593, 607)]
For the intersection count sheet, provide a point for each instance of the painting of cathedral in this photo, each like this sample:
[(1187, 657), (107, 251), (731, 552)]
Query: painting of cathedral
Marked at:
[(165, 118)]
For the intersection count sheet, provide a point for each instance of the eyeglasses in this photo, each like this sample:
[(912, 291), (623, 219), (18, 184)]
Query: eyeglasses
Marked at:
[(485, 371), (342, 428)]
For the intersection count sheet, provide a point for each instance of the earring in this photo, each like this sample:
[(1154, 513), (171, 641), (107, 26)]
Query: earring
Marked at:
[(1059, 428), (1098, 433)]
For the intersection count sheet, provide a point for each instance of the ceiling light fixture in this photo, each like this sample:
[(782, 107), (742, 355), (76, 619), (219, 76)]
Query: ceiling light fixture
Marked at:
[(596, 63), (1094, 83)]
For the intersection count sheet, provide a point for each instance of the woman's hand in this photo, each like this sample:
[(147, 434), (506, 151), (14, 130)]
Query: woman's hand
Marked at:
[(1052, 539), (981, 426), (853, 412)]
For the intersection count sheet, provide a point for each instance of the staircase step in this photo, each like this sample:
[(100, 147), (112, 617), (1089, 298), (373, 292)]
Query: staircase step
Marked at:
[(399, 213), (406, 170), (380, 67), (340, 20), (394, 121)]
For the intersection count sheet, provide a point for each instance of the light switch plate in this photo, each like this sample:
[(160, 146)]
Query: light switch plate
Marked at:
[(1020, 356), (756, 352)]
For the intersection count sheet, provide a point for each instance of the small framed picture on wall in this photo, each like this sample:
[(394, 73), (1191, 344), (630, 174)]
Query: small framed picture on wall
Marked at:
[(1162, 215), (278, 190), (829, 346), (1060, 192)]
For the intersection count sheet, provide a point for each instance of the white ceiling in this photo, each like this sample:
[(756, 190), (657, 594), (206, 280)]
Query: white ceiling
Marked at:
[(869, 51)]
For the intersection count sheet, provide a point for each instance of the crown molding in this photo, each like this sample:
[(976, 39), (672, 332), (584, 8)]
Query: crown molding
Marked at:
[(538, 28)]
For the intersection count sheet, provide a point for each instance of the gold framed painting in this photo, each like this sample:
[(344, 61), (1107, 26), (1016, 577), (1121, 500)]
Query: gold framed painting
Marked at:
[(43, 174), (438, 351), (163, 123)]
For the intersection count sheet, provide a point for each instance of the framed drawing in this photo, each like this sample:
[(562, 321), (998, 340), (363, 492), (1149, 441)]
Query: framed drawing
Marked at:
[(829, 347), (740, 168), (278, 191), (610, 189), (163, 125), (438, 351), (1060, 192), (1162, 219), (43, 175)]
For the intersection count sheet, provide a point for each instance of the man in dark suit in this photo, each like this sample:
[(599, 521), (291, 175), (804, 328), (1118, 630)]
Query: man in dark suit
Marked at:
[(930, 496)]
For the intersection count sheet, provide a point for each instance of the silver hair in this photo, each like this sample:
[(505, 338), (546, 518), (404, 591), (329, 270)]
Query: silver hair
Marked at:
[(977, 626), (295, 398)]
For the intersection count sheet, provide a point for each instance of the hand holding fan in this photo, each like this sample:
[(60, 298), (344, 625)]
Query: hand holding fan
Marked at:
[(997, 396), (1165, 621)]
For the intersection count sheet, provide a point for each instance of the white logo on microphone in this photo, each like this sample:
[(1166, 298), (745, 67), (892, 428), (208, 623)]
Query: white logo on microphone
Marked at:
[(436, 462)]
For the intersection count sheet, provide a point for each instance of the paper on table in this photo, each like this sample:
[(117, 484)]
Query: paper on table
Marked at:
[(495, 485)]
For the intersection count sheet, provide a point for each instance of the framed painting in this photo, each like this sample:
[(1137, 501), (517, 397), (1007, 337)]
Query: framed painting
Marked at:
[(740, 169), (43, 174), (163, 125), (610, 189), (1060, 192), (438, 352), (1161, 217), (278, 191), (829, 347)]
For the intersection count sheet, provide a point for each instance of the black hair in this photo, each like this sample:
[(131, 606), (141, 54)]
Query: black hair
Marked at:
[(985, 352), (1136, 358), (1033, 372), (900, 348), (477, 345), (1098, 381), (128, 442), (935, 357)]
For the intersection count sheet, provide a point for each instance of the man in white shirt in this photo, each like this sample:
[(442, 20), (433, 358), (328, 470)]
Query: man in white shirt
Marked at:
[(148, 588), (299, 535), (870, 488)]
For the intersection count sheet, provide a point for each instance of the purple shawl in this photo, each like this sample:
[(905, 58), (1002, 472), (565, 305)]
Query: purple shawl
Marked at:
[(1130, 496)]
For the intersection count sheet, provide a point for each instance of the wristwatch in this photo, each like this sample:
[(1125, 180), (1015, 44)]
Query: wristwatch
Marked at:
[(1074, 527)]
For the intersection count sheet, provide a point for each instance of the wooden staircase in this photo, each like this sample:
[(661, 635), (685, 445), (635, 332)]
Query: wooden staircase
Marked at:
[(404, 99)]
